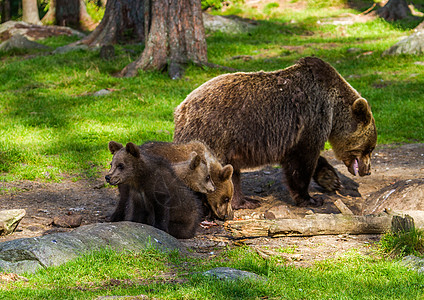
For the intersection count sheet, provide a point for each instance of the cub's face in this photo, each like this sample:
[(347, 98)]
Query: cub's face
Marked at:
[(356, 147), (123, 168), (201, 179), (220, 199)]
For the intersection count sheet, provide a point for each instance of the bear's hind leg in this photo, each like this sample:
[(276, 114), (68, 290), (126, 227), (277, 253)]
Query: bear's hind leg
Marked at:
[(240, 201), (298, 168), (326, 176)]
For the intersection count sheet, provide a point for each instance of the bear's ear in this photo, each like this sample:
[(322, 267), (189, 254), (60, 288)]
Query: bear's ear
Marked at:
[(133, 149), (114, 147), (361, 110), (194, 160), (226, 173)]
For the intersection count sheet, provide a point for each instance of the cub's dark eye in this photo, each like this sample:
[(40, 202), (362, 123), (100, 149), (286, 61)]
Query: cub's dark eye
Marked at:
[(120, 166), (226, 199), (208, 177)]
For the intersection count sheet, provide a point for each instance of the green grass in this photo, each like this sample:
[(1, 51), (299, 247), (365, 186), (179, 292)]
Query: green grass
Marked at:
[(402, 243), (173, 276), (52, 126)]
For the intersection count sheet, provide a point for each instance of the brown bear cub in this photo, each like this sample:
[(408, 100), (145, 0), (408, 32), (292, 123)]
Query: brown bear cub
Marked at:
[(196, 174), (190, 167), (158, 197), (285, 117), (219, 198)]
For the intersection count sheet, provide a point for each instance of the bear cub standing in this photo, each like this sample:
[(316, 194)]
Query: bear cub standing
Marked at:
[(161, 198)]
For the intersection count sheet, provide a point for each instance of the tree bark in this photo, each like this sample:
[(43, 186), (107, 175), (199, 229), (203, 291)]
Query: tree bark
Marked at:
[(122, 22), (72, 13), (67, 13), (50, 16), (395, 10), (86, 23), (30, 12), (174, 37), (5, 11)]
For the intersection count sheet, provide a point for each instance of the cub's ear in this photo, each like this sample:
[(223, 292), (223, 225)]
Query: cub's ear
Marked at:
[(114, 147), (226, 173), (133, 149), (194, 160), (361, 110)]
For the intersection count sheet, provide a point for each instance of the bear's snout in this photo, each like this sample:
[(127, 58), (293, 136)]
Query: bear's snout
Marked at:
[(107, 178)]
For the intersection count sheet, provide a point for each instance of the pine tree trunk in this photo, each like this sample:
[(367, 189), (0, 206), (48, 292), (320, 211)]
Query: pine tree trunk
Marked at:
[(122, 22), (50, 17), (86, 22), (5, 11), (395, 10), (30, 12), (67, 13), (71, 13), (174, 37)]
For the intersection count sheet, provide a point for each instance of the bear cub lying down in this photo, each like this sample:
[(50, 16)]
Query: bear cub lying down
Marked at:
[(159, 198)]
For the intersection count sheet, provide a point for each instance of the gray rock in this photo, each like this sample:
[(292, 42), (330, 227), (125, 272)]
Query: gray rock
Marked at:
[(9, 220), (231, 274), (226, 25), (18, 41), (102, 92), (31, 254), (33, 32), (354, 50), (413, 44), (69, 48), (413, 263)]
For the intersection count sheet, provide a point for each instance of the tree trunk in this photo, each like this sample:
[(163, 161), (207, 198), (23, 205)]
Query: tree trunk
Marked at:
[(86, 22), (122, 22), (420, 27), (72, 13), (50, 17), (395, 10), (5, 11), (67, 13), (174, 36), (30, 12)]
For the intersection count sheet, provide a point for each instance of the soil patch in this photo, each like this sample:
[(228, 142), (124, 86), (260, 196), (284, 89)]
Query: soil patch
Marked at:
[(397, 182)]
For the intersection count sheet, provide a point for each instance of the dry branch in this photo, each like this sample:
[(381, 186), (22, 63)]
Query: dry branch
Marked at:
[(318, 224)]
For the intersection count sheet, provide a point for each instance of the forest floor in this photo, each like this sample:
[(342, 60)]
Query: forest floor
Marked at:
[(396, 182)]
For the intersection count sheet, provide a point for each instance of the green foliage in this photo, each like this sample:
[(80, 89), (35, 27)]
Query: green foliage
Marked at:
[(95, 10), (217, 4), (402, 243), (52, 125)]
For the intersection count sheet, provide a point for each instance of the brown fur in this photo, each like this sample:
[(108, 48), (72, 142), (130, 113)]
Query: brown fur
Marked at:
[(191, 168), (220, 200), (156, 195), (285, 116), (189, 161)]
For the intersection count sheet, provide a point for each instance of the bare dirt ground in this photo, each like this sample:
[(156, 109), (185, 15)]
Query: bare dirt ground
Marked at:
[(397, 182)]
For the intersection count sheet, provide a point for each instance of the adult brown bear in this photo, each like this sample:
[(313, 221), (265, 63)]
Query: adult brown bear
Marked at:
[(285, 117)]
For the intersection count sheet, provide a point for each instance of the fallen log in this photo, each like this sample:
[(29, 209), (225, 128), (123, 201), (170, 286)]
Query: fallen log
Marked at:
[(318, 224)]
